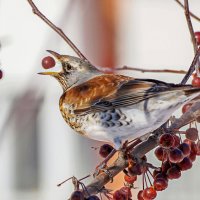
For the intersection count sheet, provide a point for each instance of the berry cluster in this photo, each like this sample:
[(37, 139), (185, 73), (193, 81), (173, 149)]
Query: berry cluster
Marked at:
[(176, 155)]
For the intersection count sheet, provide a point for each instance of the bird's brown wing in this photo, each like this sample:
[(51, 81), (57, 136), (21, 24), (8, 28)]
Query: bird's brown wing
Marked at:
[(112, 91)]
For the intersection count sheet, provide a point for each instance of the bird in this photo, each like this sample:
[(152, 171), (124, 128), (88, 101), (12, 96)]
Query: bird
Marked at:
[(114, 108)]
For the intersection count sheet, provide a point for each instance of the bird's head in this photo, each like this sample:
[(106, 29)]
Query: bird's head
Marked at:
[(74, 70)]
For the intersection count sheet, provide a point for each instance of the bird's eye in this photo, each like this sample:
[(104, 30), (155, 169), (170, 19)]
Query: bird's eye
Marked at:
[(67, 67)]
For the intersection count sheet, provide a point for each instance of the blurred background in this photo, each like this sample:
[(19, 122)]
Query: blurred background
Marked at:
[(37, 149)]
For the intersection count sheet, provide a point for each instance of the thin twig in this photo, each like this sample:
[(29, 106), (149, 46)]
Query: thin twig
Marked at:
[(56, 29), (152, 70), (191, 14), (192, 67), (190, 26)]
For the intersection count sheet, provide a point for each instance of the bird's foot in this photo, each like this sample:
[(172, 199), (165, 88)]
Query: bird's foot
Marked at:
[(103, 169)]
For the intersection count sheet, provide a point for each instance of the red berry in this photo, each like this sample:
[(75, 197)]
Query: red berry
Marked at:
[(197, 36), (105, 150), (160, 153), (191, 134), (165, 166), (149, 193), (186, 107), (93, 197), (175, 155), (122, 194), (48, 62), (156, 171), (160, 184), (174, 172), (136, 169), (140, 195), (185, 164), (77, 195), (177, 141), (196, 82), (166, 140), (198, 148), (161, 175), (192, 156), (1, 74), (185, 148), (130, 179)]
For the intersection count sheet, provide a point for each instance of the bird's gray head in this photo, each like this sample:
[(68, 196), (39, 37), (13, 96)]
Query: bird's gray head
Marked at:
[(74, 70)]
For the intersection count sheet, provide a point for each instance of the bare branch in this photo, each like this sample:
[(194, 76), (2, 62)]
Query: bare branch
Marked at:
[(56, 29), (152, 70), (190, 26), (191, 14)]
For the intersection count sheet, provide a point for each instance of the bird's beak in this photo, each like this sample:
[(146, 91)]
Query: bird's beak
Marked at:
[(54, 54), (58, 57), (49, 73)]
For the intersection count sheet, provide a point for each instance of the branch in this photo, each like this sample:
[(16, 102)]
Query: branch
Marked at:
[(190, 26), (191, 14), (140, 150), (152, 70), (56, 29)]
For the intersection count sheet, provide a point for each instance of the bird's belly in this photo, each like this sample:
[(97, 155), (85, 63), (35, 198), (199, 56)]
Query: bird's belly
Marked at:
[(124, 125)]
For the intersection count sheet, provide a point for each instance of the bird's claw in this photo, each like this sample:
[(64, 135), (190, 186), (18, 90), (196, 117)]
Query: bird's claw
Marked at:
[(103, 168)]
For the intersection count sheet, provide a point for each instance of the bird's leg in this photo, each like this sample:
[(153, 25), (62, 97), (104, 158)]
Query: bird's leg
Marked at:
[(102, 166)]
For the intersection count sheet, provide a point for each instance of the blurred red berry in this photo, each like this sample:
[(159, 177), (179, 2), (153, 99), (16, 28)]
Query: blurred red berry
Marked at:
[(198, 148), (175, 155), (105, 150), (174, 172), (1, 74), (130, 179), (48, 62), (185, 164), (140, 195), (77, 195), (186, 107), (191, 134), (197, 36), (166, 140), (196, 81), (160, 184), (149, 193)]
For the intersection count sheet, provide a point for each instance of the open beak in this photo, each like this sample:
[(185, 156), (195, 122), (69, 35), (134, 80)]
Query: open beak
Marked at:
[(57, 56), (54, 54)]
